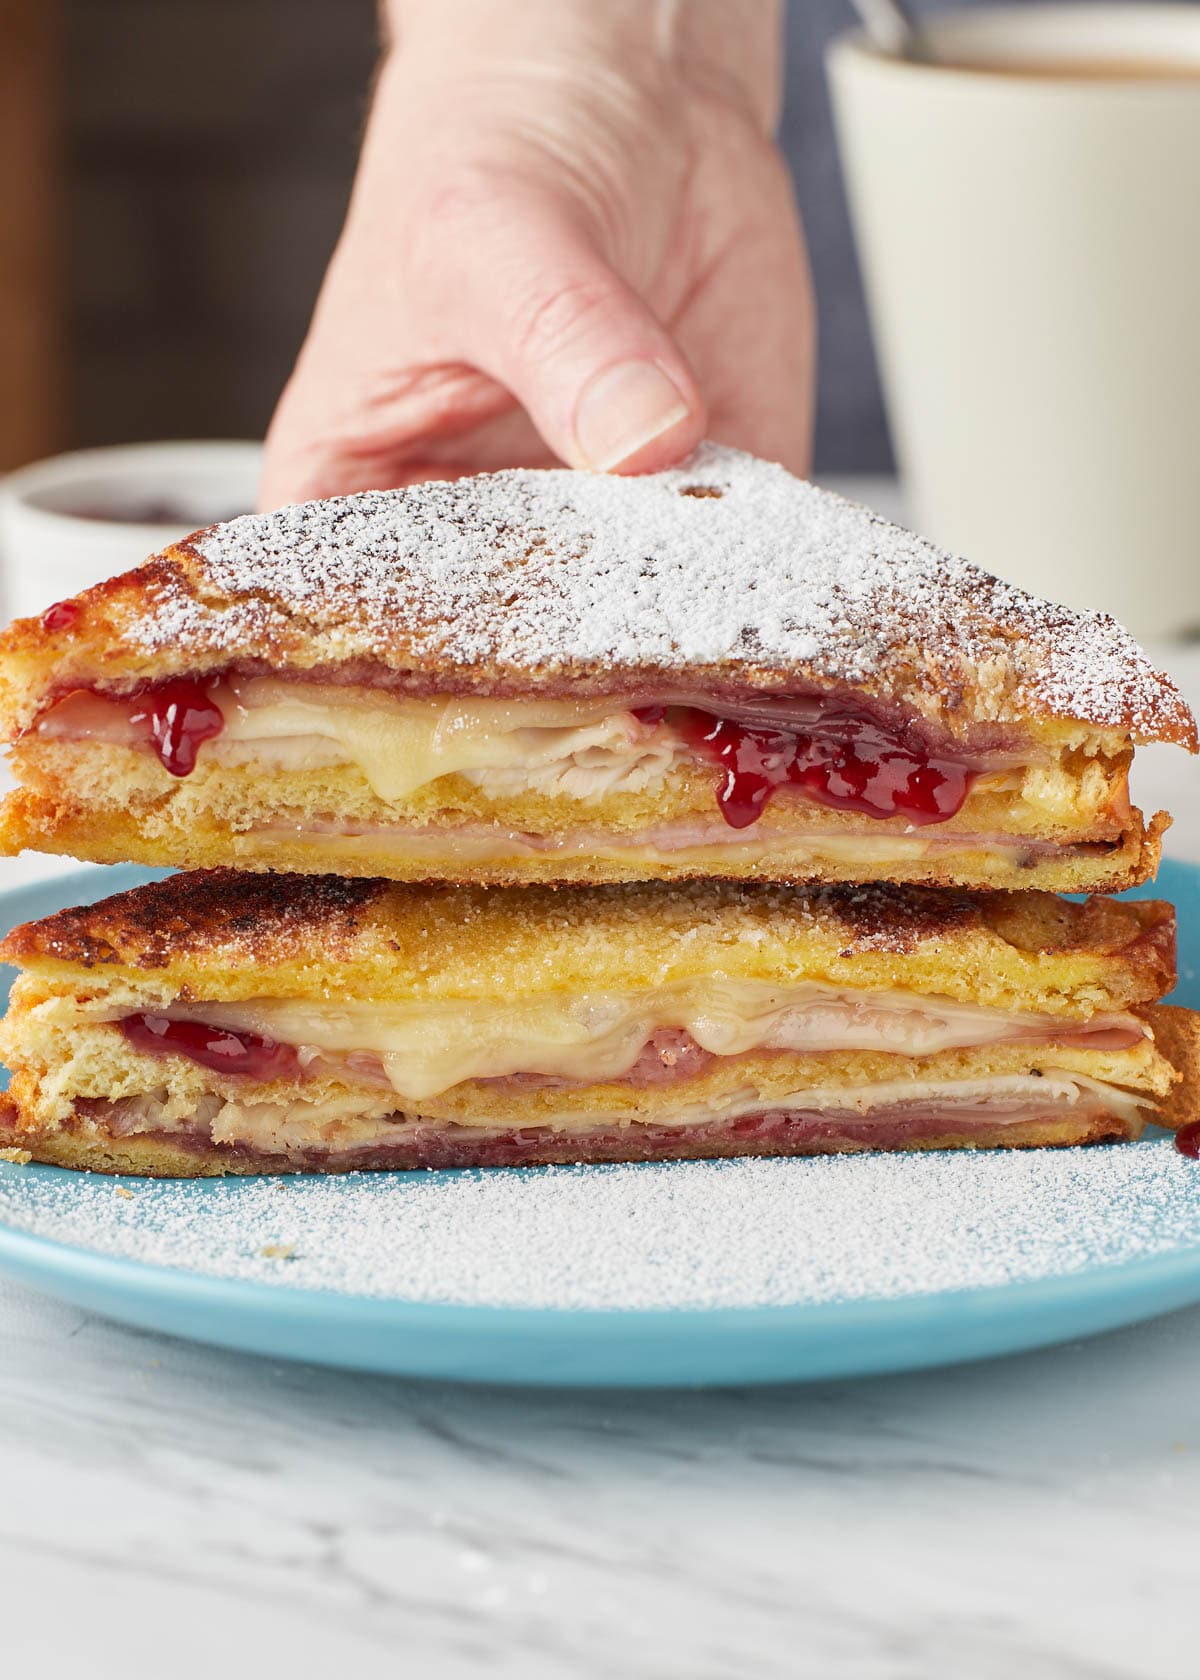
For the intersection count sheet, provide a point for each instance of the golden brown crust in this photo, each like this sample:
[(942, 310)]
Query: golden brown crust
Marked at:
[(226, 934), (1177, 1038), (184, 839), (558, 582)]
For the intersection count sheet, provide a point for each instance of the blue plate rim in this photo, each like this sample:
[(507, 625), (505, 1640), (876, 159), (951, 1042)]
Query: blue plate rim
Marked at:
[(526, 1345)]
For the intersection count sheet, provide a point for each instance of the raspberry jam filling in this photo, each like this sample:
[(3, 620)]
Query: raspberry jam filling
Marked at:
[(176, 717), (840, 758), (1187, 1140), (830, 753), (63, 615), (213, 1047)]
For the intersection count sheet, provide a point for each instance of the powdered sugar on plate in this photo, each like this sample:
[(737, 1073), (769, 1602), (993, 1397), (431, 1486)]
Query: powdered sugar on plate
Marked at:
[(726, 564), (688, 1235)]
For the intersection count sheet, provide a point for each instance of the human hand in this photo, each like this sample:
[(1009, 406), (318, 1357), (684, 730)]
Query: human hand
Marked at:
[(571, 238)]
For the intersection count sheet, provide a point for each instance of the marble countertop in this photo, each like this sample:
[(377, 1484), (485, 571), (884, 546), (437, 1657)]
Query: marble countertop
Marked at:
[(170, 1509)]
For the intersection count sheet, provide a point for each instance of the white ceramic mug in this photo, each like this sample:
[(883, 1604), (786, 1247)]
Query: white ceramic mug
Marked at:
[(1031, 249), (75, 519)]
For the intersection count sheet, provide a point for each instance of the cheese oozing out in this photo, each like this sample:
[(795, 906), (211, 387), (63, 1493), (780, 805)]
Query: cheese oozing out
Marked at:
[(401, 745), (584, 749), (424, 1049)]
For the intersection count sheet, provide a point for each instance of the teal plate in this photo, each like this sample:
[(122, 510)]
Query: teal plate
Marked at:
[(1131, 1252)]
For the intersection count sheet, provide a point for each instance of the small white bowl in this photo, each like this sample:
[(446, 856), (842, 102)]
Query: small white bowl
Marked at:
[(73, 520)]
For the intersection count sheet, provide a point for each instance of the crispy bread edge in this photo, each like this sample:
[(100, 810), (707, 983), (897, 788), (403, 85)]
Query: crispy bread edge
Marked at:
[(157, 1157), (1177, 1037), (274, 920), (30, 822), (201, 626)]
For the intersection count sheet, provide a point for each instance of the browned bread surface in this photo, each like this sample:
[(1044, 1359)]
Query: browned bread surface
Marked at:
[(1177, 1037), (227, 934), (725, 574), (178, 834)]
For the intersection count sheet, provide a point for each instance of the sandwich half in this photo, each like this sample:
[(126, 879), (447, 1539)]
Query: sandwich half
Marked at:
[(230, 1023), (719, 671)]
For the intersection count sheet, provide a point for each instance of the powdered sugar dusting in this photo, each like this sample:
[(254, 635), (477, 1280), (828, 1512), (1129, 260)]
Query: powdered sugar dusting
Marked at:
[(689, 1235), (564, 572)]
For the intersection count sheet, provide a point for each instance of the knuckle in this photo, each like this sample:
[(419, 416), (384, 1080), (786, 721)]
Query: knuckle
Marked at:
[(554, 316), (482, 224)]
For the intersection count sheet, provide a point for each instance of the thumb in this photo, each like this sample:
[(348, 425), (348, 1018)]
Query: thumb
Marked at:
[(540, 310)]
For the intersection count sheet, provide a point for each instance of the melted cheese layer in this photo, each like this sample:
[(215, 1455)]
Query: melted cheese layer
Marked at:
[(400, 744), (426, 1049), (579, 748)]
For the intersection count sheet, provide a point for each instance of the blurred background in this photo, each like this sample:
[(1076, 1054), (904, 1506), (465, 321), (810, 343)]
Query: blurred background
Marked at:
[(174, 174), (184, 166)]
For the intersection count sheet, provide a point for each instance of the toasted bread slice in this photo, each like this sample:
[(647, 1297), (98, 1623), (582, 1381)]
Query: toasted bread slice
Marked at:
[(226, 1022), (558, 676)]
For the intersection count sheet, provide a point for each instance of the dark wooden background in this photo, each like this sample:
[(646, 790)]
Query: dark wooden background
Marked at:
[(205, 154)]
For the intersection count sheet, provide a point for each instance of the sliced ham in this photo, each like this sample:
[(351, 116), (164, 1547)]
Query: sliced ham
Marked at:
[(848, 1120)]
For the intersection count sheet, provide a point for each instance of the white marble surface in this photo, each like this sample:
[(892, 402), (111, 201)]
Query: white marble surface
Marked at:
[(171, 1510)]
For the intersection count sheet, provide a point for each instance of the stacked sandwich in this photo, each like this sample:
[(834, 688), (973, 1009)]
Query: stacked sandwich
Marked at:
[(547, 817)]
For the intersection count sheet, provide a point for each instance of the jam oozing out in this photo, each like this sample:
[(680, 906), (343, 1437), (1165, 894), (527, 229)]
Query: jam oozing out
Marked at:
[(1187, 1140), (213, 1047), (63, 615), (177, 717), (840, 758)]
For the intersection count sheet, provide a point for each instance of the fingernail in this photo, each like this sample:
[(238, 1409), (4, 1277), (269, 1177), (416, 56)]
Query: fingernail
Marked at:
[(622, 410)]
